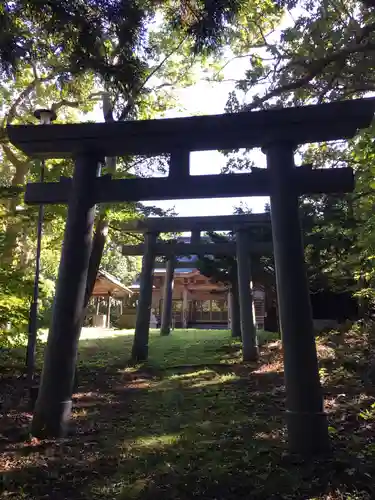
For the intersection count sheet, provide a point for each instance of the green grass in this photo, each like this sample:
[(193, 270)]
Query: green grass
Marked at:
[(193, 422), (181, 347)]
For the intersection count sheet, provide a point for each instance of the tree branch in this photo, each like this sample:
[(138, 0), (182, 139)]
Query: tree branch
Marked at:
[(23, 95), (134, 91), (12, 157), (65, 103), (241, 56), (313, 70)]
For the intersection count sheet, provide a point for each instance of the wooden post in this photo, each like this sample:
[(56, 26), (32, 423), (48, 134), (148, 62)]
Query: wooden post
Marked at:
[(53, 406), (185, 308), (142, 325), (229, 311), (97, 306), (109, 303), (166, 317), (306, 420)]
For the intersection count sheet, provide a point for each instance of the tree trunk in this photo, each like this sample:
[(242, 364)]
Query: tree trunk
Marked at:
[(97, 249), (98, 243), (101, 229), (13, 231)]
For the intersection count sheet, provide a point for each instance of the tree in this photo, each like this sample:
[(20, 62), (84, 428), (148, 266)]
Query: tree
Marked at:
[(57, 65), (70, 53), (322, 52)]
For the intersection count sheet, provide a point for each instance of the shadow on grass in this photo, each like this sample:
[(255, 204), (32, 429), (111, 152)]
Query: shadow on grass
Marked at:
[(202, 433), (182, 436), (210, 430)]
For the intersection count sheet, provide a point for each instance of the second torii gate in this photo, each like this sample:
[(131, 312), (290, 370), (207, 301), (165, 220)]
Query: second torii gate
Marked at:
[(242, 247)]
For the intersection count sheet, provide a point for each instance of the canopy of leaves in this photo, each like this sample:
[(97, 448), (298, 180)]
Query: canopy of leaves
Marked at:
[(66, 56), (321, 52)]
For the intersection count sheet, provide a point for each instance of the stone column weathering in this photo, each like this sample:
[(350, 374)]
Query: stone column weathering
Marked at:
[(54, 403), (306, 420), (248, 329), (142, 323), (166, 317)]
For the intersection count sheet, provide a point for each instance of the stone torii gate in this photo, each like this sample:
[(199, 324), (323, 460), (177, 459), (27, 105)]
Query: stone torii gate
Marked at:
[(278, 132), (242, 248)]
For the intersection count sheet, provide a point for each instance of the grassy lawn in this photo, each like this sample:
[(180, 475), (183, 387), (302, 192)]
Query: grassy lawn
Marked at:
[(182, 347), (194, 422)]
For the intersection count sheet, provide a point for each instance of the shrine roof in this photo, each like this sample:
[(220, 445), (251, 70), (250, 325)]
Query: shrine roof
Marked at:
[(106, 284)]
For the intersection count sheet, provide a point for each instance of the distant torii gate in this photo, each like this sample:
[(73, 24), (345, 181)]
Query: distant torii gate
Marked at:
[(242, 247), (278, 132)]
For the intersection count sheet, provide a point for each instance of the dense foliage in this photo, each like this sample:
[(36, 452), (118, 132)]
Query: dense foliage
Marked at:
[(127, 58), (322, 52)]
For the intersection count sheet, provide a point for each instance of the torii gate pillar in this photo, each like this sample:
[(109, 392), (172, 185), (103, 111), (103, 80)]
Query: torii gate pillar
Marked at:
[(248, 330), (54, 403), (306, 420), (142, 324), (166, 316)]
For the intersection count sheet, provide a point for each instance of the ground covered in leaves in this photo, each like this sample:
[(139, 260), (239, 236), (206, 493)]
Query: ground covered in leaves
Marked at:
[(193, 422)]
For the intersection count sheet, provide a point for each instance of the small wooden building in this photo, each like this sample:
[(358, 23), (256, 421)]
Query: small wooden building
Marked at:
[(196, 300), (107, 290)]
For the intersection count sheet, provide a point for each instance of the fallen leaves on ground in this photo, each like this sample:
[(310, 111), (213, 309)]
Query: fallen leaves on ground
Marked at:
[(210, 428)]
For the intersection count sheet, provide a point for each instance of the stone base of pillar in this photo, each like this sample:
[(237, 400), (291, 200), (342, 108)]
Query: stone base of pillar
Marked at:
[(55, 423), (250, 354), (307, 433)]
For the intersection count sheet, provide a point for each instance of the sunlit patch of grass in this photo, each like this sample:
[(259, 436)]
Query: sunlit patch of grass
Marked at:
[(157, 442), (223, 379), (192, 374), (181, 347)]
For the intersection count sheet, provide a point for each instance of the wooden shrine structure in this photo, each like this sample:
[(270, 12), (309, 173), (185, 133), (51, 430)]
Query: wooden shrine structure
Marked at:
[(107, 288), (278, 132), (197, 302)]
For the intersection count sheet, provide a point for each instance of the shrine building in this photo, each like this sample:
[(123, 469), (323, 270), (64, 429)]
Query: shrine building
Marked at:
[(197, 301)]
